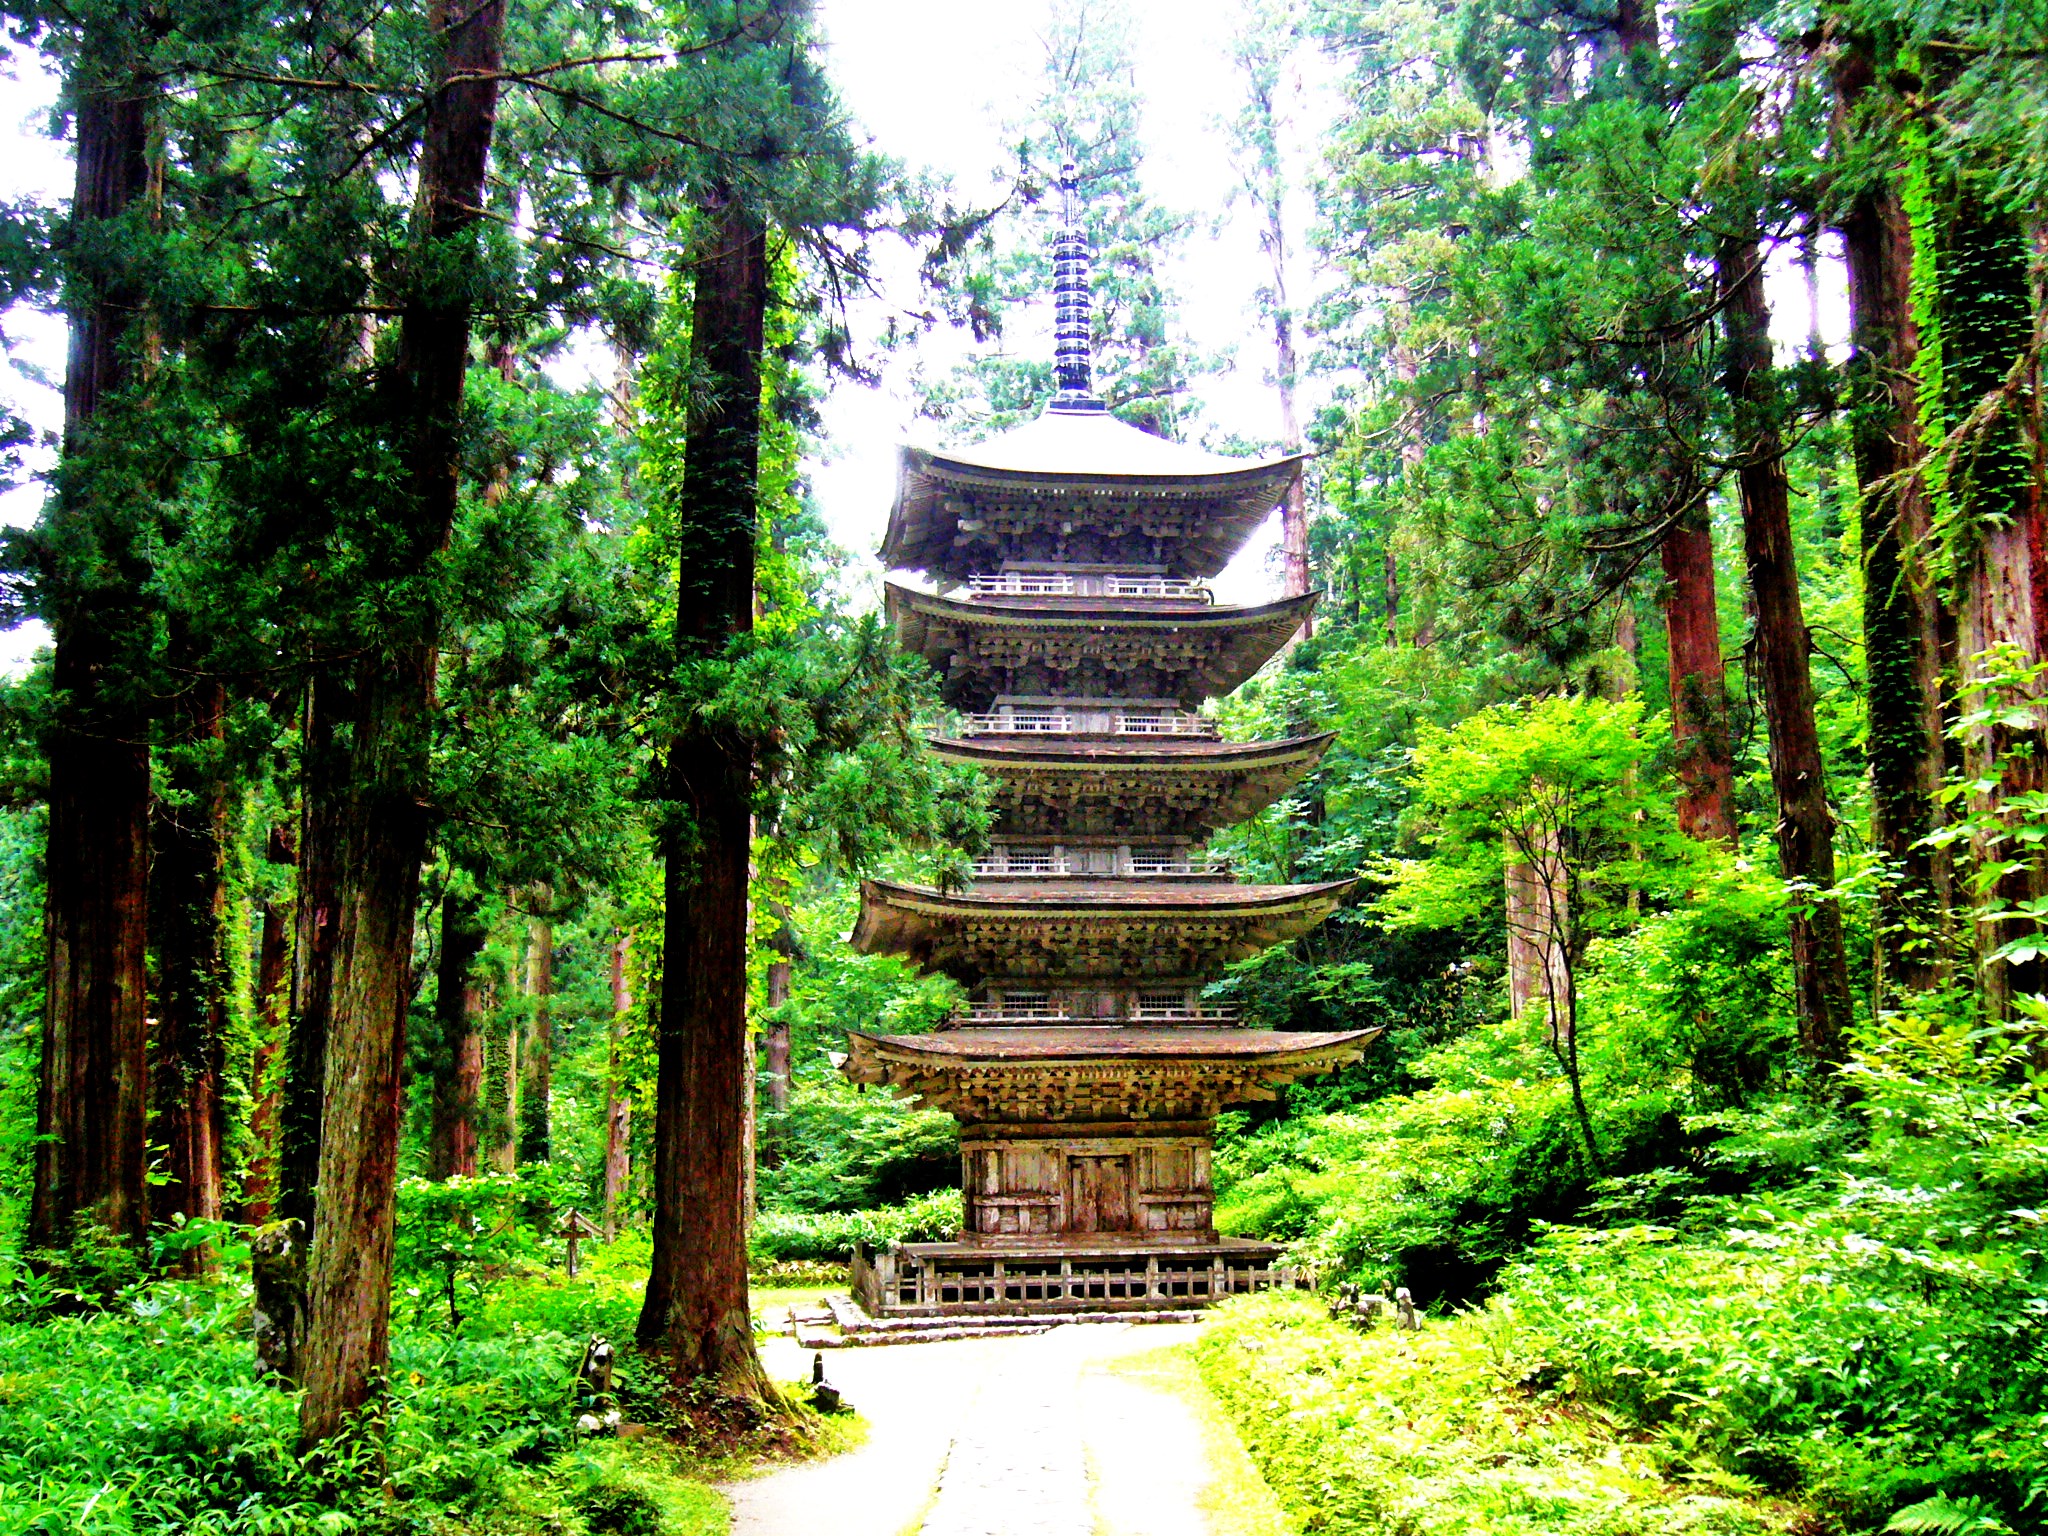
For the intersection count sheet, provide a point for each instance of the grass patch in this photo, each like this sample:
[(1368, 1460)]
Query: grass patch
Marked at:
[(1449, 1432), (1237, 1500)]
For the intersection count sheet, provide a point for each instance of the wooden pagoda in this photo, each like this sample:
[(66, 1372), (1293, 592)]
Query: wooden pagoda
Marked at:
[(1077, 639)]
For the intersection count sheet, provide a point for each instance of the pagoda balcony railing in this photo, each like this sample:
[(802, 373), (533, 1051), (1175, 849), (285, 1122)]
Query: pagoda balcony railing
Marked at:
[(1020, 722), (1220, 1013), (1155, 586), (1138, 865), (1163, 722), (1024, 864), (1022, 584), (1063, 584), (1117, 722), (1143, 865), (1012, 1013)]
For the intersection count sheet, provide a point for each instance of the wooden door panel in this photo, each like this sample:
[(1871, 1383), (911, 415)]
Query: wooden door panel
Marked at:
[(1099, 1194)]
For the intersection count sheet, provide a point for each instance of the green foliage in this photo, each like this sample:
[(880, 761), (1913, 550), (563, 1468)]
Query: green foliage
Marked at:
[(1687, 1079), (149, 1417), (850, 1150), (782, 1237), (1378, 1435)]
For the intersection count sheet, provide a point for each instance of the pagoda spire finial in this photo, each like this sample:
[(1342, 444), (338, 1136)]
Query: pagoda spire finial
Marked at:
[(1072, 360)]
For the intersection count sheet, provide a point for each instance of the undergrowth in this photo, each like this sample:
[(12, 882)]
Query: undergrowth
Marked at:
[(146, 1414), (1451, 1432)]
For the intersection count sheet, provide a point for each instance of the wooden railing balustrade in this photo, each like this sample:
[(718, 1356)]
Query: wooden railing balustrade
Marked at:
[(898, 1280)]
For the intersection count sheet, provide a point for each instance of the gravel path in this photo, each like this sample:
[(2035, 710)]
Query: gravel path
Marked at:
[(994, 1437)]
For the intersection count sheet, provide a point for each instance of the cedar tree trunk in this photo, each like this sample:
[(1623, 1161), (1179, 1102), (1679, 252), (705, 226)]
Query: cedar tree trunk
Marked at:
[(459, 1052), (618, 1101), (1999, 545), (1806, 847), (1903, 619), (1699, 682), (537, 1062), (279, 1254), (273, 961), (92, 1082), (189, 909), (347, 1343), (696, 1303)]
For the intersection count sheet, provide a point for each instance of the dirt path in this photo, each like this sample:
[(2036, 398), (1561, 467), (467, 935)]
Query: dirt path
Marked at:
[(1030, 1436)]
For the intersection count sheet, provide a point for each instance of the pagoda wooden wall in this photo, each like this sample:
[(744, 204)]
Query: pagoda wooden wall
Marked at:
[(1023, 1188)]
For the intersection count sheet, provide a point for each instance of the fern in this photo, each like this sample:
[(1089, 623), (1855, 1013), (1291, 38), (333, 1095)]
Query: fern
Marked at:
[(1944, 1516)]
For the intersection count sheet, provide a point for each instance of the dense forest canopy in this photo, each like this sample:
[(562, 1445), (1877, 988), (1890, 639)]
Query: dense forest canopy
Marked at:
[(437, 815)]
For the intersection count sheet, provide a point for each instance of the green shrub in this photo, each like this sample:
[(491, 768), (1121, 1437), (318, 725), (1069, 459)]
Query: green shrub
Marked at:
[(1450, 1430), (829, 1236), (855, 1150)]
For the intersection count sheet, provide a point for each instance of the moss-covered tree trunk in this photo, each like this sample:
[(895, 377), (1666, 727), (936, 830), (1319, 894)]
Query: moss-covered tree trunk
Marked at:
[(1805, 832), (696, 1305), (386, 830), (1904, 621), (92, 1083), (1999, 542)]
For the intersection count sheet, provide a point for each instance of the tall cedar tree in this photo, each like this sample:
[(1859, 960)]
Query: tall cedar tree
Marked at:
[(91, 1091), (1263, 51), (1908, 635), (459, 1049), (695, 1310), (1805, 832), (384, 825)]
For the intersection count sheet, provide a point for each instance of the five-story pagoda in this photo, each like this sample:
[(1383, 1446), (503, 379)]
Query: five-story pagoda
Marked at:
[(1076, 638)]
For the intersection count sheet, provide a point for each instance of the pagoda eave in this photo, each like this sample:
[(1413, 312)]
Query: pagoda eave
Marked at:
[(1109, 929), (1183, 788), (1131, 1074), (1211, 650), (1073, 469)]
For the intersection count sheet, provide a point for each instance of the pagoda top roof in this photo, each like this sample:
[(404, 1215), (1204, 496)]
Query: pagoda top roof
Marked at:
[(1069, 453)]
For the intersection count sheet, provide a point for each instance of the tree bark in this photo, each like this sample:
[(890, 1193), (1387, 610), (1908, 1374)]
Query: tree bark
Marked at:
[(537, 1060), (273, 1009), (1699, 682), (280, 1255), (92, 1083), (189, 910), (1805, 833), (1903, 619), (347, 1345), (783, 943), (618, 1100), (1999, 545), (459, 1050), (696, 1302)]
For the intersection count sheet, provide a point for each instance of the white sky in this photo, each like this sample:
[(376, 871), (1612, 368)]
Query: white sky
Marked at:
[(931, 82)]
